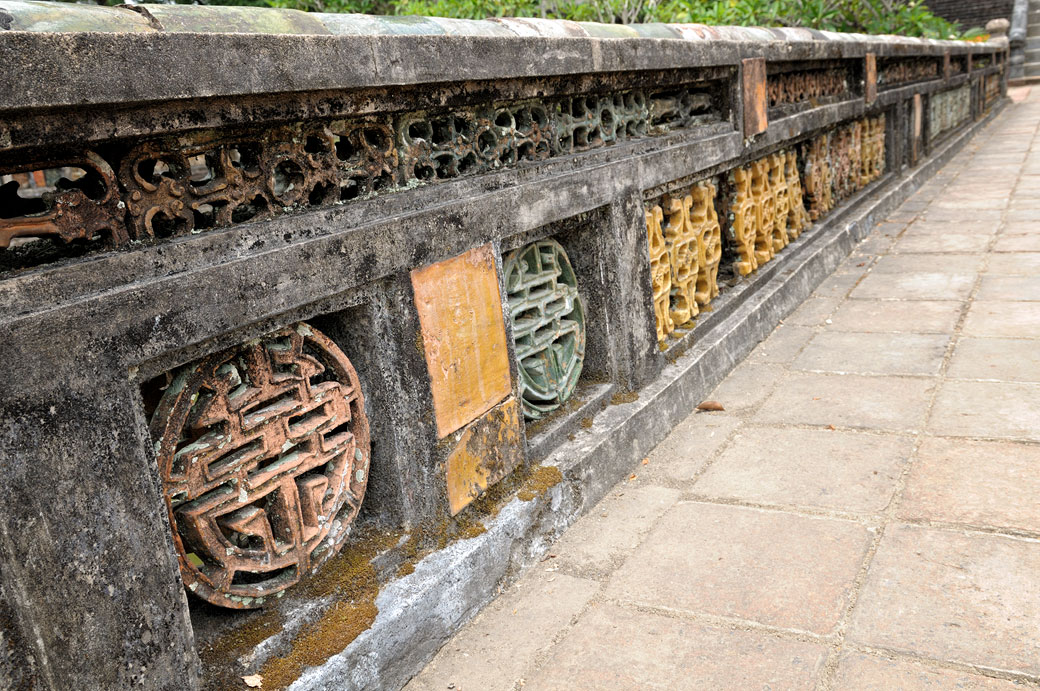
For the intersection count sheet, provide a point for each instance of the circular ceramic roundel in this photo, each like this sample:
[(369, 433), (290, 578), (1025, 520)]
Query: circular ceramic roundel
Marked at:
[(548, 325), (264, 456)]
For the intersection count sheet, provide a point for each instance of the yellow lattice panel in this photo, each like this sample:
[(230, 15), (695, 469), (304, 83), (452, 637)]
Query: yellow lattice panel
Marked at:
[(705, 222), (660, 271), (742, 228), (681, 240), (798, 217), (781, 202), (817, 177), (765, 209), (872, 163)]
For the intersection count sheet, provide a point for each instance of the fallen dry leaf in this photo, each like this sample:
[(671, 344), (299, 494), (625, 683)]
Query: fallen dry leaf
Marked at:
[(254, 681), (710, 406)]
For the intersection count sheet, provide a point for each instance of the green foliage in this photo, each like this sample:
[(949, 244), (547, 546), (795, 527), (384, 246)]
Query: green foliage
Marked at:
[(906, 17)]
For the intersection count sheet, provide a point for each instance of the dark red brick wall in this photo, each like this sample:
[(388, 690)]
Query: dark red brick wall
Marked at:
[(971, 13)]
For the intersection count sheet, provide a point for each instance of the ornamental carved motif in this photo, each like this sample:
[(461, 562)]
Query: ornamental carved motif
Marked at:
[(82, 203), (781, 200), (907, 70), (263, 453), (185, 184), (806, 85), (842, 162), (548, 317)]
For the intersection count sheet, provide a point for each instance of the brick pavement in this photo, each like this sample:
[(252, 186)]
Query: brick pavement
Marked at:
[(864, 514)]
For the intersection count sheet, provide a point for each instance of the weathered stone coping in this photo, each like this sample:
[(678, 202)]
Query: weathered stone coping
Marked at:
[(75, 55)]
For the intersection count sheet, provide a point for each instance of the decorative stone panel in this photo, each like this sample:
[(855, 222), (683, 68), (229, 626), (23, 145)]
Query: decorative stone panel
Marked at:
[(463, 336), (263, 453), (685, 251), (948, 109), (548, 325)]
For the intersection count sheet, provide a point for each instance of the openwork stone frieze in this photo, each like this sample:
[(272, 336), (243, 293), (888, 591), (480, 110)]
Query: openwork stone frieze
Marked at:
[(807, 85), (185, 184), (899, 71), (263, 452)]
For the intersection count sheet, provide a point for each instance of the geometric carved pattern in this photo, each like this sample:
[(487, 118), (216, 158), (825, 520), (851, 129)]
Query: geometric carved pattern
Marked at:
[(684, 255), (742, 228), (798, 218), (660, 272), (816, 176), (263, 452), (781, 200), (765, 209), (948, 109), (548, 325)]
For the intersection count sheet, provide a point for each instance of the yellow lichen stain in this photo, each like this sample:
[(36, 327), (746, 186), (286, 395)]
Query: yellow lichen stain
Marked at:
[(541, 480), (352, 580), (319, 641), (256, 628), (487, 450), (623, 397)]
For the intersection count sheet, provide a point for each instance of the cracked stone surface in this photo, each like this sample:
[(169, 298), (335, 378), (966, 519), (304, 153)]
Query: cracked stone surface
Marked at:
[(863, 515)]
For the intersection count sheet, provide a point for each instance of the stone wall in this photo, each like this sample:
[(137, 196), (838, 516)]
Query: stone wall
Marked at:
[(319, 327)]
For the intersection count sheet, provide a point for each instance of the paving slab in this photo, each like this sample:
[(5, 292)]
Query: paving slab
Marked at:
[(845, 471), (1025, 288), (1018, 264), (874, 353), (897, 316), (962, 597), (859, 672), (618, 649), (1007, 319), (987, 409), (780, 569), (982, 484), (882, 403), (689, 447), (942, 242), (783, 345), (1001, 359), (922, 285), (493, 651), (598, 542), (946, 262)]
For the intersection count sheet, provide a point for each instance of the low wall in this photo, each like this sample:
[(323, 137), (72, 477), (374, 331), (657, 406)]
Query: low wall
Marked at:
[(318, 327)]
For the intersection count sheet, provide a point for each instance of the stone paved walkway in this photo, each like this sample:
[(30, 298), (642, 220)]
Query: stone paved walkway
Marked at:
[(866, 512)]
